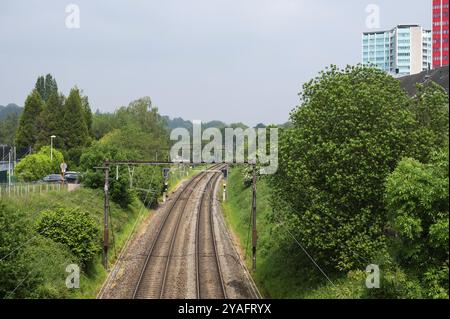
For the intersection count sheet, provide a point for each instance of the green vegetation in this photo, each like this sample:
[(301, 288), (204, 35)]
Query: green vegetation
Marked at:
[(34, 166), (417, 204), (28, 129), (283, 270), (9, 121), (47, 112), (37, 268), (73, 228), (342, 189), (362, 179), (43, 233), (137, 132)]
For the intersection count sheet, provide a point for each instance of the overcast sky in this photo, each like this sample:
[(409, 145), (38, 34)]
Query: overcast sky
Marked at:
[(231, 60)]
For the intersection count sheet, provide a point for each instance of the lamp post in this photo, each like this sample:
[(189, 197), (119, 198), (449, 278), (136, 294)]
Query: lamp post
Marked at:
[(51, 147)]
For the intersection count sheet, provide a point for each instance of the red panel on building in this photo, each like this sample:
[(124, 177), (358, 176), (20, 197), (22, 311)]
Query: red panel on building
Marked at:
[(440, 32)]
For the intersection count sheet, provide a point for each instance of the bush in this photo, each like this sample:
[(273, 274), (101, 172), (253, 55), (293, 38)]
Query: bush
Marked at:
[(417, 202), (47, 261), (395, 284), (73, 228), (13, 234), (35, 166)]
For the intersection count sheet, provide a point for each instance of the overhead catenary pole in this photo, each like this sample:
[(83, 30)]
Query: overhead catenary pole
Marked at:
[(254, 234), (105, 218), (14, 159), (9, 173)]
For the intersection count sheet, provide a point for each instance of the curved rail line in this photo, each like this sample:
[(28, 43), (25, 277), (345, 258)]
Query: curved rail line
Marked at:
[(209, 279), (146, 273)]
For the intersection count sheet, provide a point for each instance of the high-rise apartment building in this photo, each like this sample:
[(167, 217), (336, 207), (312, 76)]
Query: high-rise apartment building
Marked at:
[(440, 32), (404, 50)]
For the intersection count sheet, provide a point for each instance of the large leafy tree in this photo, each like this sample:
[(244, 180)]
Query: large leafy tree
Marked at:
[(430, 107), (348, 134), (28, 129)]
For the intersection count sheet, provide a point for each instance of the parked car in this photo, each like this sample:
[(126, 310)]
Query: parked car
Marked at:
[(72, 177), (53, 178)]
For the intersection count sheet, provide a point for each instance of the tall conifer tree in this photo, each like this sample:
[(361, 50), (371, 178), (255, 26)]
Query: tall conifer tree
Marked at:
[(51, 122), (76, 131), (28, 126)]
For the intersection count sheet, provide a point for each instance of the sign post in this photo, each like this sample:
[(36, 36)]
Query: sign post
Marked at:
[(63, 167)]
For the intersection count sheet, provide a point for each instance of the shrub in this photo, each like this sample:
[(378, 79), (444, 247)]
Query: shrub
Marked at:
[(13, 234), (417, 202), (73, 228), (35, 166)]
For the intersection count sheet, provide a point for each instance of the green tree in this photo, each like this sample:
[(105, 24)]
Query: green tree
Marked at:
[(46, 86), (51, 122), (35, 166), (8, 129), (418, 209), (102, 124), (430, 107), (95, 156), (87, 112), (76, 133), (351, 129), (28, 129)]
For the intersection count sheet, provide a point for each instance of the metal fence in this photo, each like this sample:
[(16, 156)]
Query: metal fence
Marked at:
[(23, 189)]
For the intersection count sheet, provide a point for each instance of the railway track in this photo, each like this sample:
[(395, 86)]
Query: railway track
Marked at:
[(209, 277), (159, 262)]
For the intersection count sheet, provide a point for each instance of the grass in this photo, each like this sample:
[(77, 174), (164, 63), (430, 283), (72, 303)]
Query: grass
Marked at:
[(283, 270)]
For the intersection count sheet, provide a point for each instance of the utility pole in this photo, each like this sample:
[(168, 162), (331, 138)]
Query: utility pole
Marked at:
[(105, 217), (14, 160), (254, 234), (9, 173)]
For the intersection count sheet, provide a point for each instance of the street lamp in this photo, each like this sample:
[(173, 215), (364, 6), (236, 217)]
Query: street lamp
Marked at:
[(51, 147)]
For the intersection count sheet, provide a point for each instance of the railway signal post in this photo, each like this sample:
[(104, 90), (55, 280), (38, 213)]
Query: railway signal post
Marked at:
[(166, 186), (254, 234), (105, 217), (225, 176)]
